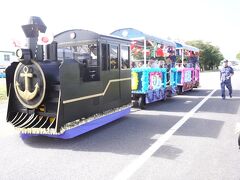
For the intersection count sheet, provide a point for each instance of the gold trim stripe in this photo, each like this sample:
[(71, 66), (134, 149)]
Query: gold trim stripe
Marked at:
[(96, 95)]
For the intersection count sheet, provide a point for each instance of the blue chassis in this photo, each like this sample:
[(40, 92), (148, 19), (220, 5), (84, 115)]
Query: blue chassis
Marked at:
[(81, 129)]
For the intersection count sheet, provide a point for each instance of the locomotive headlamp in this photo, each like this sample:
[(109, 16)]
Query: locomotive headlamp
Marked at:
[(19, 53), (24, 55)]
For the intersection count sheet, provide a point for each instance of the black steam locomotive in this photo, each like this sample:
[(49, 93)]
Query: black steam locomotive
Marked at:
[(76, 83)]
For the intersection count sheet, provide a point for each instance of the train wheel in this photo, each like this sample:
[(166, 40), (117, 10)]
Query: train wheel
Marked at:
[(168, 94), (134, 103), (165, 97), (141, 102), (191, 88), (180, 90)]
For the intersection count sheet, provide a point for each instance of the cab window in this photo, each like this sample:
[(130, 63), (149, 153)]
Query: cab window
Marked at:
[(114, 51), (125, 57), (104, 52), (84, 53)]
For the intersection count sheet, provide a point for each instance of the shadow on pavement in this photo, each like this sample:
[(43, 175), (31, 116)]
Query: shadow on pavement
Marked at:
[(174, 104), (180, 103), (130, 135), (217, 105), (201, 128), (198, 92), (168, 152)]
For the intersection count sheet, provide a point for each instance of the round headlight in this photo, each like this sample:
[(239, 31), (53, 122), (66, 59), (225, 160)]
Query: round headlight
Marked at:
[(19, 53)]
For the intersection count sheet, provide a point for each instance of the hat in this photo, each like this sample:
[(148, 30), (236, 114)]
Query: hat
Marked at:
[(225, 60)]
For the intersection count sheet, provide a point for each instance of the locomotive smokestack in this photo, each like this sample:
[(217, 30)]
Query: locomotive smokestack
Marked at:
[(39, 23), (31, 31), (35, 25)]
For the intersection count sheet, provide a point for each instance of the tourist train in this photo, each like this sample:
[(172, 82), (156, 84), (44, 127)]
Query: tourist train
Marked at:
[(70, 86), (80, 80), (160, 67)]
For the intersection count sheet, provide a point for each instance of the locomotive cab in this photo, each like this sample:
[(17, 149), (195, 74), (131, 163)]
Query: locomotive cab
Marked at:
[(78, 82)]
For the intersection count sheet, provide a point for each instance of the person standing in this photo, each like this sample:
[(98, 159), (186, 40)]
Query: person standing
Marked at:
[(225, 76)]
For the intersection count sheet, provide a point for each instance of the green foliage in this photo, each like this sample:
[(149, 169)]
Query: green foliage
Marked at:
[(238, 56), (3, 91), (210, 56)]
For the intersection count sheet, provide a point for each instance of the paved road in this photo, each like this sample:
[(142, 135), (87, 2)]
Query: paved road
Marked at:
[(187, 137)]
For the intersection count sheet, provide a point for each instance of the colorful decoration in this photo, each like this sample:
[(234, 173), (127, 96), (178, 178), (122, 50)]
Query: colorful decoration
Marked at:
[(187, 76), (155, 80), (174, 77), (197, 72), (145, 80), (137, 51), (155, 95), (148, 79), (148, 52), (134, 79), (159, 52), (152, 82)]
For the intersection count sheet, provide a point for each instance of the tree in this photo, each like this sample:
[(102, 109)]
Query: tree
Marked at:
[(238, 56), (210, 56)]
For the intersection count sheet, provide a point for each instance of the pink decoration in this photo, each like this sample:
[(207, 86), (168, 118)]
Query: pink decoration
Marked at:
[(155, 80)]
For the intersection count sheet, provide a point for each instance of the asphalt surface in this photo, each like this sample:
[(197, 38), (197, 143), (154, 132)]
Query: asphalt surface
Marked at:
[(204, 146)]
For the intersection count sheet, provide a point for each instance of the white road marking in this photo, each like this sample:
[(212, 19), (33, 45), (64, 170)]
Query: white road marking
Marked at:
[(187, 102), (156, 136), (200, 97), (129, 170), (157, 113)]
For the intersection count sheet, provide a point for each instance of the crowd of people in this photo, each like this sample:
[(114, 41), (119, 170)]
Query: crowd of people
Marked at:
[(168, 62)]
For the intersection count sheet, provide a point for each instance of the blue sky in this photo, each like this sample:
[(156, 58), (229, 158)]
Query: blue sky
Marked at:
[(215, 21)]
